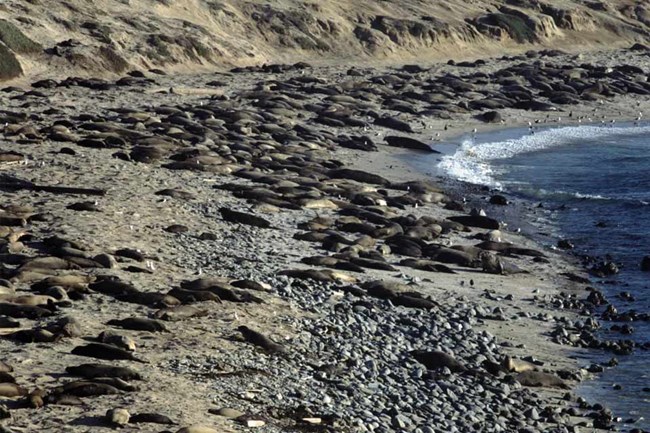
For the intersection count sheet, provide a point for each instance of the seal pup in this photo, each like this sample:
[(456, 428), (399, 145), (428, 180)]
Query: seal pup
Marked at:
[(261, 340)]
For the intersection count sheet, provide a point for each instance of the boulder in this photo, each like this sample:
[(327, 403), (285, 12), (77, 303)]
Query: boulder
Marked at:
[(645, 264)]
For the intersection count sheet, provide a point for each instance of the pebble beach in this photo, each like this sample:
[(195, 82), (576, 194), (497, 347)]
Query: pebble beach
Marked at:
[(247, 251)]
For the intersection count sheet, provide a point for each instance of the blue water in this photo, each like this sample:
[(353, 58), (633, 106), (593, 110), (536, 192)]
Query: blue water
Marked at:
[(584, 177)]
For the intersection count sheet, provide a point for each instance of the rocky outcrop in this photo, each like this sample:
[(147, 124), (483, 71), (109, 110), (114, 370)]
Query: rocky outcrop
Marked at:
[(379, 32), (571, 19)]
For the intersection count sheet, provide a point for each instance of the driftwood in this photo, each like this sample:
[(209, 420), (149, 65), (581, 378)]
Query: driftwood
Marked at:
[(15, 184)]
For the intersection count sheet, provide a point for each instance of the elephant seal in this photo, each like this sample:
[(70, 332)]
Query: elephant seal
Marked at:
[(105, 351), (151, 418), (181, 312), (139, 324), (479, 221), (8, 389), (91, 371), (517, 365), (261, 340), (434, 360), (538, 378), (243, 218), (197, 429)]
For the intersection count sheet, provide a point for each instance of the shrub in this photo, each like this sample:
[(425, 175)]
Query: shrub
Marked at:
[(15, 40), (9, 65), (116, 63), (516, 27)]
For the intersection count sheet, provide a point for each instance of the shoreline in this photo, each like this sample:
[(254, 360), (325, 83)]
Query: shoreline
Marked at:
[(538, 346), (298, 265), (520, 211)]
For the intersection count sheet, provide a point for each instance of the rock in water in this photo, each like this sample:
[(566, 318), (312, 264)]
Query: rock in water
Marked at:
[(604, 269), (645, 264)]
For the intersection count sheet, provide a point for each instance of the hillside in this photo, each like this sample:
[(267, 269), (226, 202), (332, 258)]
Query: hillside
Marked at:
[(112, 36)]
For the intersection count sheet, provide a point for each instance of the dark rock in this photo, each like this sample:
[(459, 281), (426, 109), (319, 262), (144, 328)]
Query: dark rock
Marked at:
[(604, 269), (454, 205), (639, 47), (498, 200), (177, 228), (645, 264)]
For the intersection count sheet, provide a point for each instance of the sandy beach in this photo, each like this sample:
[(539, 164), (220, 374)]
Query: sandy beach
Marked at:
[(303, 284)]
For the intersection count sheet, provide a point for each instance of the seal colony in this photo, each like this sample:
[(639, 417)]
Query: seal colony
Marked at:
[(189, 262)]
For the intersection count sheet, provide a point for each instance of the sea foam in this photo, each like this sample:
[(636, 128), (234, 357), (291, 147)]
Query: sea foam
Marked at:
[(471, 162)]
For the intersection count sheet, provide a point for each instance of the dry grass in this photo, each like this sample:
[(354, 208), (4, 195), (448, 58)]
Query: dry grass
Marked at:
[(193, 34), (516, 27)]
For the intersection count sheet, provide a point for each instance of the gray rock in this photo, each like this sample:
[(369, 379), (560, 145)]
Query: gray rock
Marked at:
[(532, 413)]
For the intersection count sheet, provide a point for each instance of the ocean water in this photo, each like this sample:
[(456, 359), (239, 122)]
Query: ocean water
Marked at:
[(593, 184)]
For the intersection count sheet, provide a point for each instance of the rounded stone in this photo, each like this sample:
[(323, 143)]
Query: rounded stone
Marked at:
[(118, 416), (226, 412)]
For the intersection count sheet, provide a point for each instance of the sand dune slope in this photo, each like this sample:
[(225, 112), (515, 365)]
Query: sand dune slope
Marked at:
[(112, 36)]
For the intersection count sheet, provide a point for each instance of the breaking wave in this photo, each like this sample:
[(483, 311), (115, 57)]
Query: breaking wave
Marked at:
[(471, 162)]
